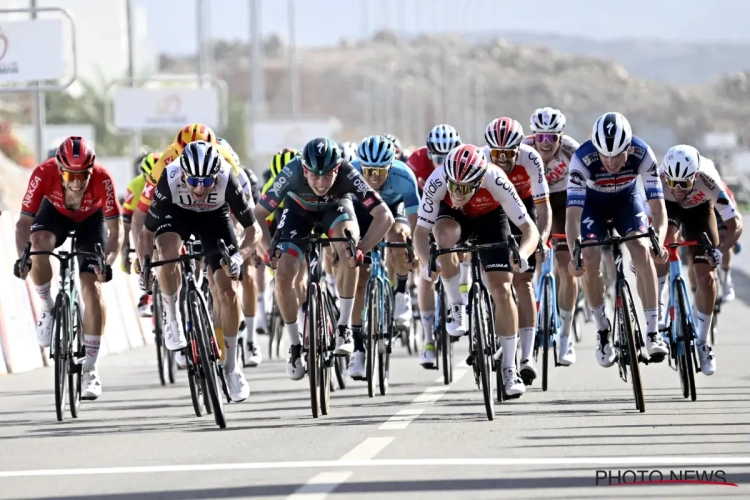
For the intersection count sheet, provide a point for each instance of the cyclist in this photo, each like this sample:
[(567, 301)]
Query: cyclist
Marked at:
[(317, 188), (523, 166), (66, 193), (397, 186), (692, 188), (441, 140), (145, 163), (401, 154), (194, 197), (470, 197), (602, 186), (556, 150), (348, 150), (725, 270)]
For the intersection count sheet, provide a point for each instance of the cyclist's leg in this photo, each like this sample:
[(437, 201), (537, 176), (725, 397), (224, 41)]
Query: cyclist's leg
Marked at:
[(567, 291), (398, 261), (356, 368), (524, 285), (334, 222), (448, 232), (702, 219), (330, 270), (48, 231), (674, 221), (727, 291), (249, 308)]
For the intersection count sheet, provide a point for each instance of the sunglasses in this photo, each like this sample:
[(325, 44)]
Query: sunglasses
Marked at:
[(438, 159), (201, 181), (551, 138), (69, 176), (503, 155), (464, 189), (373, 171), (682, 184)]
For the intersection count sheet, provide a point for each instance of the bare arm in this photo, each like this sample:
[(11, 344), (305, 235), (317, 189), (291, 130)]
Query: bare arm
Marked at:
[(544, 219), (733, 233), (529, 239), (382, 220), (136, 224), (23, 232), (659, 218), (261, 213), (573, 225), (250, 239), (422, 244), (114, 241)]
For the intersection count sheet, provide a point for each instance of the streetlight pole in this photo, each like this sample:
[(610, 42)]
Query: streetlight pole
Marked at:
[(293, 70), (257, 107), (40, 115)]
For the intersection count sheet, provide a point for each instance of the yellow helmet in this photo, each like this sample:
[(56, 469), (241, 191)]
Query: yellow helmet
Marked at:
[(194, 132), (148, 163), (280, 160)]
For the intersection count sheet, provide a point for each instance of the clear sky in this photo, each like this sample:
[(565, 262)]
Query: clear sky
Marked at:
[(324, 22)]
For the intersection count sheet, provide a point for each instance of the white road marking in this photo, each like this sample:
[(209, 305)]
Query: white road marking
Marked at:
[(399, 462), (320, 486), (367, 449), (401, 420)]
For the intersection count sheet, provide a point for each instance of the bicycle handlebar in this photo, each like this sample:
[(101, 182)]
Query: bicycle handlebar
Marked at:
[(650, 234), (314, 239), (511, 244), (63, 255), (408, 246), (148, 265)]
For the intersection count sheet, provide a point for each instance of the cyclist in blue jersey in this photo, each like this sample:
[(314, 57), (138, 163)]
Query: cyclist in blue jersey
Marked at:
[(397, 186), (601, 187)]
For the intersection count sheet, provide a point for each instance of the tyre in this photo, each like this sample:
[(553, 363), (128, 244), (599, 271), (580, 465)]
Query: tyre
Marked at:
[(630, 340), (686, 336), (373, 333), (74, 369), (482, 333), (203, 333), (59, 331), (312, 346)]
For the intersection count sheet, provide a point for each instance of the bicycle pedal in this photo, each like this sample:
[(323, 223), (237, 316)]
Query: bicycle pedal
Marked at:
[(657, 358), (361, 379), (507, 397)]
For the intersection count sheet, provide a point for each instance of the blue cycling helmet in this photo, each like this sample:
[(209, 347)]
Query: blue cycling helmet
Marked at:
[(376, 151)]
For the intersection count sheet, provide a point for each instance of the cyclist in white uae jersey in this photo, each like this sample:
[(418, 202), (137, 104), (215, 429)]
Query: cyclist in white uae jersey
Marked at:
[(468, 197), (194, 196), (602, 187), (692, 189)]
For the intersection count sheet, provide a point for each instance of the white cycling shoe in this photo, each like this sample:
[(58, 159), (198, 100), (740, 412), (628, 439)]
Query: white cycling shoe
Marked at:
[(567, 351), (402, 309), (239, 390), (91, 386), (457, 325), (513, 383), (356, 368), (44, 328), (174, 338), (707, 359), (427, 357)]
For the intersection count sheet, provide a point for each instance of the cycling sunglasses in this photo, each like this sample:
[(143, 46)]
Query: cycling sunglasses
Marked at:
[(551, 138), (201, 181), (438, 159), (684, 184), (69, 176), (503, 155), (463, 189), (369, 171)]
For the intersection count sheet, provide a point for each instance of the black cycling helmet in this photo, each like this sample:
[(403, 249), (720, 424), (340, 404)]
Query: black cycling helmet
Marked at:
[(321, 156)]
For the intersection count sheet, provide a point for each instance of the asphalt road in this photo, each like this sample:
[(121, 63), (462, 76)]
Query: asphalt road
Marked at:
[(141, 440)]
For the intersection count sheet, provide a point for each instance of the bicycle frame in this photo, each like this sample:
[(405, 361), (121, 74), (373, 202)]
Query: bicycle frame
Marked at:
[(676, 280), (547, 270)]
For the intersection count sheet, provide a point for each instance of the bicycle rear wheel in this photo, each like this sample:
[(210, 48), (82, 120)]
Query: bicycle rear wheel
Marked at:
[(482, 335), (312, 346), (629, 339), (445, 341), (60, 345), (203, 334), (384, 344), (546, 316), (686, 337), (74, 369), (373, 333), (325, 356)]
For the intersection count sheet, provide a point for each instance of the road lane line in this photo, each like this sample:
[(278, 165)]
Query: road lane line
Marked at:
[(367, 449), (401, 420), (405, 462), (320, 486)]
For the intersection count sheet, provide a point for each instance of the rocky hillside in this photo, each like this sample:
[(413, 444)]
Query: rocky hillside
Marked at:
[(516, 79)]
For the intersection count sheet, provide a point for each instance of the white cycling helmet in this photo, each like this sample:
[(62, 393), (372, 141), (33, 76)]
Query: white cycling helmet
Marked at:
[(442, 139), (681, 162), (200, 159), (547, 119), (612, 134)]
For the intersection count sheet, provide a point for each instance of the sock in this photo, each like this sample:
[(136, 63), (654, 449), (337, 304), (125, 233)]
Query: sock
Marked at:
[(170, 306), (252, 336), (261, 309), (651, 321), (451, 286), (600, 317), (465, 273), (703, 326), (91, 346), (566, 318), (662, 316), (331, 280), (230, 343), (45, 295), (292, 333), (428, 326), (509, 345), (527, 341), (401, 283), (301, 318), (346, 305), (359, 338)]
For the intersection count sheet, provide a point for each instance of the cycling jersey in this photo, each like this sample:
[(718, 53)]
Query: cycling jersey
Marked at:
[(253, 187), (132, 195), (589, 180), (45, 182), (421, 164), (707, 186), (291, 183), (169, 156), (556, 170), (496, 191), (527, 175), (400, 186)]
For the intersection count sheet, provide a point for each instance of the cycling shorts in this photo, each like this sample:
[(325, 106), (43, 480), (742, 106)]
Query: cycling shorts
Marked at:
[(558, 203), (296, 222), (626, 210), (692, 223)]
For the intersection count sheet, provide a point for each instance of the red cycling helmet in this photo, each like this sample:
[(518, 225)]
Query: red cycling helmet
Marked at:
[(503, 133), (75, 154)]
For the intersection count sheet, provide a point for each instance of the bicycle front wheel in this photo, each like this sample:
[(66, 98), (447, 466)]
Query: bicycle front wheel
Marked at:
[(546, 316), (384, 344), (312, 346), (373, 333), (482, 335), (60, 328), (685, 336), (75, 349), (445, 341), (628, 337), (203, 334)]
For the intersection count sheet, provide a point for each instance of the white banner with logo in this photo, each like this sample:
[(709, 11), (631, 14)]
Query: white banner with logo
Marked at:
[(167, 108), (274, 135), (31, 50)]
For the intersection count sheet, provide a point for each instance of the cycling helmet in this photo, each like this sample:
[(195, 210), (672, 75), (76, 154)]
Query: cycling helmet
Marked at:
[(75, 154), (503, 133), (280, 159), (442, 139), (348, 151), (547, 119), (200, 159), (194, 132), (681, 162), (395, 141), (466, 164), (148, 163), (321, 156), (611, 134), (376, 151)]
